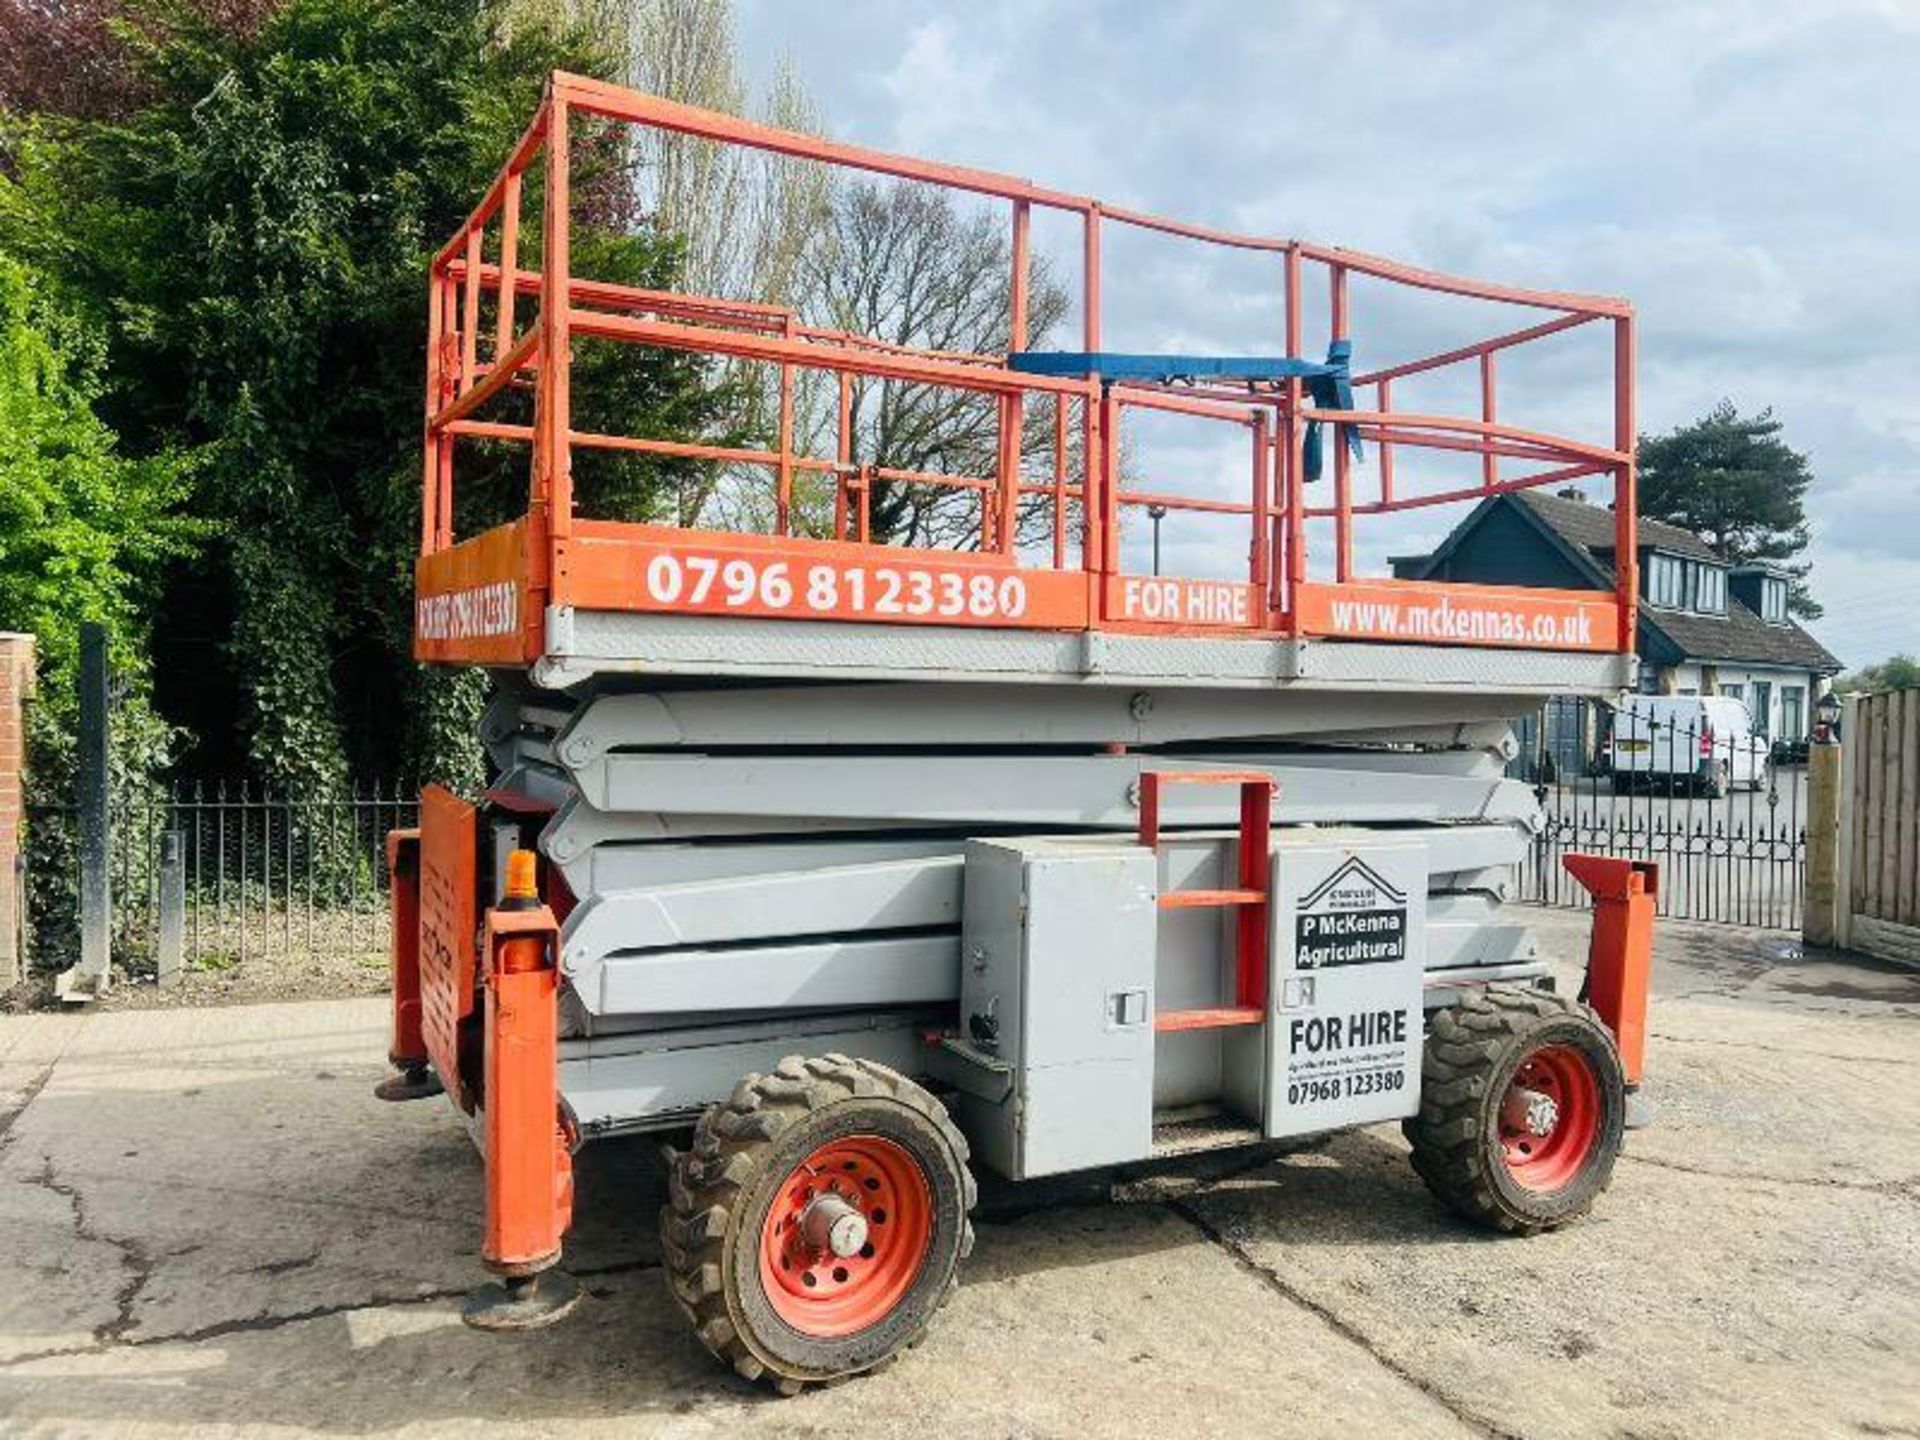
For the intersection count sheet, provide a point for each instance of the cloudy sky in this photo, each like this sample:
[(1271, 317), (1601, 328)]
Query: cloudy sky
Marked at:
[(1748, 174)]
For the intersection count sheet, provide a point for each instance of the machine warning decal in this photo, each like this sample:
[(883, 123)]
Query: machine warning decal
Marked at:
[(1353, 917)]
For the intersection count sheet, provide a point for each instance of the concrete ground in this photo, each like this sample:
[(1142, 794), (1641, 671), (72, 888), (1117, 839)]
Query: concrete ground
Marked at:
[(208, 1226)]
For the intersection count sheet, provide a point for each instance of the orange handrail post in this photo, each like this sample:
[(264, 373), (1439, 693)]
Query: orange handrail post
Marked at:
[(783, 479), (843, 456), (1342, 459), (509, 266), (431, 439), (1059, 482), (1626, 519), (1012, 408), (1296, 568), (1098, 415), (1109, 482), (470, 313), (1489, 457), (1259, 559), (556, 342)]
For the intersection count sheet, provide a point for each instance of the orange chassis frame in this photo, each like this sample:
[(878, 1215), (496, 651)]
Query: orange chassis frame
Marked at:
[(482, 599)]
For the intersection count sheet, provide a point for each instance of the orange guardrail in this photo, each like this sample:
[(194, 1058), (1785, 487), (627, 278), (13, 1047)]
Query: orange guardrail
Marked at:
[(499, 325)]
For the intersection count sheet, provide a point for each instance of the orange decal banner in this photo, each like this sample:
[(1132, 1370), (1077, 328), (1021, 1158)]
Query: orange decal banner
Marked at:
[(819, 580), (473, 604), (1418, 613), (1177, 600)]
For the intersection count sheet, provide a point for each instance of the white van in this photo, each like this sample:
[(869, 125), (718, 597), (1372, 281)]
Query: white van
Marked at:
[(1685, 740)]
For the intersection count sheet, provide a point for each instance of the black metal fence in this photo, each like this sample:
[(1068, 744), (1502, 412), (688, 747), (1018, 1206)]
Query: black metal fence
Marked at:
[(264, 875), (1721, 810)]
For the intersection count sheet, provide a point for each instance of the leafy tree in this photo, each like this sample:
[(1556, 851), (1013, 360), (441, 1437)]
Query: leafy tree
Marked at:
[(255, 229), (84, 532), (1734, 482), (75, 57), (84, 529), (1902, 672)]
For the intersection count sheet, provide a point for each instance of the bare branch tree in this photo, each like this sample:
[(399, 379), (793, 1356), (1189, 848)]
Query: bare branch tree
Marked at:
[(896, 262), (745, 217), (902, 263)]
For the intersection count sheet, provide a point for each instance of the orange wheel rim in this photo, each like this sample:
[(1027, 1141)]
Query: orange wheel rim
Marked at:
[(1549, 1122), (811, 1285)]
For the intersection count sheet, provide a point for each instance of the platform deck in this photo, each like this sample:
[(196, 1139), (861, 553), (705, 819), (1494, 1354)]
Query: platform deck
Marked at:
[(581, 644)]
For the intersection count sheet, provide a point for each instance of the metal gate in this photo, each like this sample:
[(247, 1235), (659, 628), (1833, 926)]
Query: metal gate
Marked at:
[(1737, 858)]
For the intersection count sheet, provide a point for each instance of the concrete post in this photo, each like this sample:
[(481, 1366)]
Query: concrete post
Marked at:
[(89, 979), (170, 948), (1820, 912), (16, 685)]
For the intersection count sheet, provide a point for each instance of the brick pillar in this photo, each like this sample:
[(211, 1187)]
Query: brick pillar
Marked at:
[(16, 684)]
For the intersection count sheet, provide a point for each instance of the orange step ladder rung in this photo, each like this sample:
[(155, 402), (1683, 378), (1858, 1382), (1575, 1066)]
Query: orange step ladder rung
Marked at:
[(1249, 895)]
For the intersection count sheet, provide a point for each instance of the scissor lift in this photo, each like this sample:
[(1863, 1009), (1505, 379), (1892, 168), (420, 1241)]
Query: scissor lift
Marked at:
[(865, 863)]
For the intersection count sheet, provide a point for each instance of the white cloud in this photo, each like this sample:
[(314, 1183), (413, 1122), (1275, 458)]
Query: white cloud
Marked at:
[(1743, 173)]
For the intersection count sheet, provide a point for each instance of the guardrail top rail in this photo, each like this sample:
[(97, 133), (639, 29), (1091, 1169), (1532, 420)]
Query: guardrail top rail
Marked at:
[(1042, 549)]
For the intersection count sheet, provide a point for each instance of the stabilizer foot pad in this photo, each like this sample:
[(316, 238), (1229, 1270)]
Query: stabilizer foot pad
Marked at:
[(1640, 1111), (409, 1085), (529, 1303)]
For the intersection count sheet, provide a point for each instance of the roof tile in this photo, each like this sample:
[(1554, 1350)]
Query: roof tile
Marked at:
[(1591, 526), (1741, 635)]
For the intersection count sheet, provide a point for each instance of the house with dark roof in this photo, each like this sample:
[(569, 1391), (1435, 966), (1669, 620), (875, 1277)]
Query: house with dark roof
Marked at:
[(1706, 627)]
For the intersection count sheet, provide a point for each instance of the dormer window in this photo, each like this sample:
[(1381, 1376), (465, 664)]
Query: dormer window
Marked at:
[(1763, 590), (1674, 583), (1773, 600)]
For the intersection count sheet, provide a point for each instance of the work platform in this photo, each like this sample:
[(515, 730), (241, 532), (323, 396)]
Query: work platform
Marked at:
[(582, 644), (1031, 586)]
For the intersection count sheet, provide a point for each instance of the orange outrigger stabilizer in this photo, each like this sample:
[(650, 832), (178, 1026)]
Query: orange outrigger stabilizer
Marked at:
[(1620, 953), (408, 1050), (528, 1150), (522, 1126)]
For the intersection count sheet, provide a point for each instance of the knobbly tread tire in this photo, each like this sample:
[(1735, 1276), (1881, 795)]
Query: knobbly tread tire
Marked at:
[(713, 1188), (1472, 1049)]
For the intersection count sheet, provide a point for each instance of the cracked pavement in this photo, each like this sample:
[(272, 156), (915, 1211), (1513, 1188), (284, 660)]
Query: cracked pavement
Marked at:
[(208, 1226)]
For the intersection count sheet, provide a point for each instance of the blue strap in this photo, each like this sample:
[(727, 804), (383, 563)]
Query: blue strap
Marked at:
[(1329, 385), (1332, 389)]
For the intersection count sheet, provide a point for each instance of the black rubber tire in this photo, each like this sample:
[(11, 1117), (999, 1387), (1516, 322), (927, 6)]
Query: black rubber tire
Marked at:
[(720, 1191), (1473, 1049), (1622, 783)]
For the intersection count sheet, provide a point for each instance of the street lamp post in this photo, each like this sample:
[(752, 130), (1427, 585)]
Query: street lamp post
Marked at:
[(1156, 513), (1826, 719)]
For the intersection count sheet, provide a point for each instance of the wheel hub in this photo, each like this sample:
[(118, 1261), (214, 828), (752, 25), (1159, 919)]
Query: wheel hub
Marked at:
[(1532, 1111), (830, 1223)]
